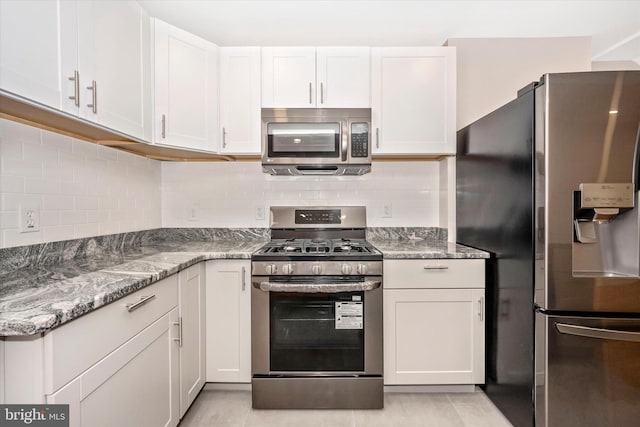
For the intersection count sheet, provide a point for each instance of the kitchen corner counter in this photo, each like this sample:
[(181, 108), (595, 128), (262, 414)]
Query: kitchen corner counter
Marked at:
[(36, 299), (425, 249)]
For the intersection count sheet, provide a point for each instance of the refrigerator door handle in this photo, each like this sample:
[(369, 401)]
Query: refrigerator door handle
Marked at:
[(609, 334)]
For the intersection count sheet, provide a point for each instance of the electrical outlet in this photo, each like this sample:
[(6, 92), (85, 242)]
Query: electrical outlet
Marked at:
[(386, 210), (259, 212), (29, 219)]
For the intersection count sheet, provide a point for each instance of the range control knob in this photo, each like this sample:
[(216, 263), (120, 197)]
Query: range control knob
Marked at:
[(345, 269), (271, 269), (287, 269), (316, 269), (362, 268)]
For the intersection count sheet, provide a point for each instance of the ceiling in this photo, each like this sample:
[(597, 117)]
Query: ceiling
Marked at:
[(613, 25)]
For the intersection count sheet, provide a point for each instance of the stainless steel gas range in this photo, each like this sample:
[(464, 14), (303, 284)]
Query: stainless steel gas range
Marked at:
[(316, 312)]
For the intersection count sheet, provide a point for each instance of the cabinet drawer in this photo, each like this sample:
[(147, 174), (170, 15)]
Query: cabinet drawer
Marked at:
[(433, 273), (74, 347)]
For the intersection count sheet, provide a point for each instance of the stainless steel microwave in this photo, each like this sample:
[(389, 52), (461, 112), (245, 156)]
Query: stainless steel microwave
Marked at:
[(316, 141)]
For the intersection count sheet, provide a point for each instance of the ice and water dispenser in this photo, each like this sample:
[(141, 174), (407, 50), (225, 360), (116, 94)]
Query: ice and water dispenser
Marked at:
[(606, 221)]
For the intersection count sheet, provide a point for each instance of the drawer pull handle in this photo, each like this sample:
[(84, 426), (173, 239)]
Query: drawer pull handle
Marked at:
[(136, 305), (436, 267)]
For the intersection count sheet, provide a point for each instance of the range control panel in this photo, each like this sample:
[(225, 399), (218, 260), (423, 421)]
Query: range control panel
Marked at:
[(324, 216)]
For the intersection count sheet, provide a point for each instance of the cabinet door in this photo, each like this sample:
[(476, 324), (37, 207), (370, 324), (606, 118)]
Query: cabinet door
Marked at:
[(343, 77), (136, 385), (240, 100), (288, 77), (185, 82), (413, 100), (30, 37), (434, 336), (228, 321), (113, 52), (192, 322)]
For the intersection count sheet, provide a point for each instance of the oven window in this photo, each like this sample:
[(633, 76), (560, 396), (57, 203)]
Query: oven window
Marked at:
[(303, 139), (309, 334)]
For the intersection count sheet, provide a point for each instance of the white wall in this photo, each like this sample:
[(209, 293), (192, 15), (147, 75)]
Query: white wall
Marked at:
[(614, 65), (228, 194), (81, 189), (492, 70)]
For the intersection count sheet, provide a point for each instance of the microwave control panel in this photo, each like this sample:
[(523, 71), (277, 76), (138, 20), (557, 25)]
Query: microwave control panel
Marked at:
[(359, 140)]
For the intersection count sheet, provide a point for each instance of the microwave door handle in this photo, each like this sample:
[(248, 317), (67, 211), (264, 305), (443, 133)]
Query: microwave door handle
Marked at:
[(344, 147)]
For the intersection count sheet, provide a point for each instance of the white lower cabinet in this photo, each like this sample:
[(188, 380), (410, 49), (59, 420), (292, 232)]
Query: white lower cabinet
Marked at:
[(433, 335), (228, 321), (136, 385), (192, 334), (138, 361)]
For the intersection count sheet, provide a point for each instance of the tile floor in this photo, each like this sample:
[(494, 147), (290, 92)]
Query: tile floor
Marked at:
[(233, 409)]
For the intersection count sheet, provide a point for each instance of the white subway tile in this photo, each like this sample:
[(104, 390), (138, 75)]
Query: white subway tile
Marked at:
[(14, 131), (38, 153), (13, 201), (58, 232), (56, 141), (49, 218), (85, 202), (86, 230), (11, 184), (84, 148), (39, 185), (9, 219), (20, 167), (57, 202), (72, 217)]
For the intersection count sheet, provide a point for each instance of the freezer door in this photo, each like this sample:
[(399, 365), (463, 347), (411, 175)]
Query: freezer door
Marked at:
[(587, 372), (587, 130)]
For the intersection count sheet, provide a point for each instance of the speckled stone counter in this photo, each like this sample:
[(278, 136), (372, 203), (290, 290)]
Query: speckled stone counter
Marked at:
[(418, 243), (422, 249), (44, 286), (41, 296)]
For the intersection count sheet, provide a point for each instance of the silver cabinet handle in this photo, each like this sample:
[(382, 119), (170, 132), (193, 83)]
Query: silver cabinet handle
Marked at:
[(326, 288), (605, 334), (164, 126), (94, 93), (377, 137), (435, 267), (76, 88), (321, 93), (224, 138), (344, 147), (142, 301), (481, 308), (310, 94), (244, 279), (179, 325)]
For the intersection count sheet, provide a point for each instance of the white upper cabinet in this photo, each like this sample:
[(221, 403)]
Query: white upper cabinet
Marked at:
[(343, 77), (88, 58), (240, 100), (31, 33), (185, 87), (331, 77), (114, 49), (413, 100)]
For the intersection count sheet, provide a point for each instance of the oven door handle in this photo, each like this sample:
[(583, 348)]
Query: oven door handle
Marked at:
[(326, 288)]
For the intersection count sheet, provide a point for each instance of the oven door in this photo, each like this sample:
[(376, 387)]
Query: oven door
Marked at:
[(336, 332)]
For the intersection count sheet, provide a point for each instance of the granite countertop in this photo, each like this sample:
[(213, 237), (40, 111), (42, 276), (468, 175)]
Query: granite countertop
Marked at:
[(425, 248), (36, 299), (38, 296)]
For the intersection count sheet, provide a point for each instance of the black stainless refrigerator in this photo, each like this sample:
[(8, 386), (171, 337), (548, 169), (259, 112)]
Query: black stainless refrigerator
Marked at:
[(549, 185)]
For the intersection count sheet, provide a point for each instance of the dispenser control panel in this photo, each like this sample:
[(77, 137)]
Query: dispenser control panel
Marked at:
[(605, 195)]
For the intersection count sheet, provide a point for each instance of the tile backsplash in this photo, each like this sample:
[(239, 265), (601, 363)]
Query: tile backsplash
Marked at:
[(238, 194), (80, 189)]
